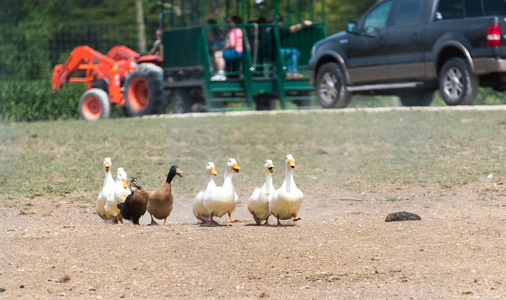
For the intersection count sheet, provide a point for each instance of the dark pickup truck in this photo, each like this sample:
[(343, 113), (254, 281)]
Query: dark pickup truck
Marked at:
[(410, 48)]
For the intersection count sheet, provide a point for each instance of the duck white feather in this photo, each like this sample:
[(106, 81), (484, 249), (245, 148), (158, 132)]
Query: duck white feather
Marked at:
[(107, 188), (286, 201), (121, 191), (258, 202), (222, 199), (199, 210)]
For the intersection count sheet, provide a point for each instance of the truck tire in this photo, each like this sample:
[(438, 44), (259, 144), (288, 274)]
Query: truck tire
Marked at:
[(143, 91), (94, 104), (181, 101), (416, 97), (331, 87), (458, 85)]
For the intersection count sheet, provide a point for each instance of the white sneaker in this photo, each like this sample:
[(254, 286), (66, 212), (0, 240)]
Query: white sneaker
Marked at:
[(218, 77)]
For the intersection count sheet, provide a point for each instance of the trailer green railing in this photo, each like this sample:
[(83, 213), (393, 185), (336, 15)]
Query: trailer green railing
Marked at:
[(257, 81)]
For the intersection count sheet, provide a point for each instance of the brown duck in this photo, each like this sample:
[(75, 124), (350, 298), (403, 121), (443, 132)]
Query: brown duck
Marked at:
[(135, 204), (160, 201)]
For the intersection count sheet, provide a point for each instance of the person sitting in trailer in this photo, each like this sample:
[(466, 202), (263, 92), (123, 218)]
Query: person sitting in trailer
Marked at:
[(232, 50), (214, 36), (290, 55)]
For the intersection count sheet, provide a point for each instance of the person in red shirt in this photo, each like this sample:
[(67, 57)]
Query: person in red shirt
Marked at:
[(232, 49)]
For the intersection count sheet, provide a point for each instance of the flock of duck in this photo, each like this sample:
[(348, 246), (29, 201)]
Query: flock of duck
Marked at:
[(119, 201)]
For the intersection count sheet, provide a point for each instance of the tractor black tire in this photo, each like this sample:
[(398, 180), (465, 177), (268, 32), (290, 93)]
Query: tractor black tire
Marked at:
[(94, 104), (181, 101), (457, 83), (416, 97), (331, 87), (100, 84), (143, 91)]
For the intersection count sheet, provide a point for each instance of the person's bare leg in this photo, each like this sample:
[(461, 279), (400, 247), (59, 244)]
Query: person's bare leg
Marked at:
[(220, 62)]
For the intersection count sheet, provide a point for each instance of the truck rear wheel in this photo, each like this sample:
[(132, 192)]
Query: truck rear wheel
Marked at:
[(94, 104), (331, 87), (458, 85), (144, 91)]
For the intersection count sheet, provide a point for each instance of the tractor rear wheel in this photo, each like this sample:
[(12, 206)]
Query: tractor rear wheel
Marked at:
[(144, 91), (94, 104)]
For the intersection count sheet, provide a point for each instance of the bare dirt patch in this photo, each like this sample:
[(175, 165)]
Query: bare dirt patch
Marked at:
[(341, 249)]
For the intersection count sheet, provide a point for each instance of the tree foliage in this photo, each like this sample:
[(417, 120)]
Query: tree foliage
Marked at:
[(32, 29)]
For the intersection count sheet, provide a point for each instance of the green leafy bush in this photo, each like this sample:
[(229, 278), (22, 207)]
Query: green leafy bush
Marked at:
[(37, 101)]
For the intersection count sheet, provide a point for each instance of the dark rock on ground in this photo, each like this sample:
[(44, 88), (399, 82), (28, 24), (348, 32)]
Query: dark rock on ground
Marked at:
[(402, 216)]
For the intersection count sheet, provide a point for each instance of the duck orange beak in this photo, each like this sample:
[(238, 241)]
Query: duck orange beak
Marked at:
[(270, 167), (213, 171), (236, 168), (291, 163), (124, 182)]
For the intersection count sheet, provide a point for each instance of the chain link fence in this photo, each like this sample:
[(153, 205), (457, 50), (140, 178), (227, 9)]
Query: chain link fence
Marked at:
[(30, 52)]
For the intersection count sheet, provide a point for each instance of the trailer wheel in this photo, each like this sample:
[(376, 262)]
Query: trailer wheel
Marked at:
[(265, 101), (458, 85), (144, 91), (181, 101), (306, 102), (331, 87), (416, 97), (94, 104)]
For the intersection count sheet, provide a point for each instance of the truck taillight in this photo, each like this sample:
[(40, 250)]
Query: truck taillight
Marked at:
[(494, 36)]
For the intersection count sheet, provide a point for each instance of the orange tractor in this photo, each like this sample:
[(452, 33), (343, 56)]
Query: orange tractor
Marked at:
[(123, 78)]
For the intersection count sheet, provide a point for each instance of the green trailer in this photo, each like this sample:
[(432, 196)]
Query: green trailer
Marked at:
[(258, 80)]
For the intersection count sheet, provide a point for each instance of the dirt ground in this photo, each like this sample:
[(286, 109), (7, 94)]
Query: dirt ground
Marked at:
[(341, 249)]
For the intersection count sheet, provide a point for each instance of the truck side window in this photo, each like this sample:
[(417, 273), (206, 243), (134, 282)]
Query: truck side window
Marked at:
[(409, 12), (377, 19), (473, 8), (494, 7), (450, 9)]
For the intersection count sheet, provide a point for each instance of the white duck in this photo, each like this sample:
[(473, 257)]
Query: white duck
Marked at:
[(107, 188), (236, 200), (199, 209), (286, 201), (222, 199), (258, 202), (121, 191)]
